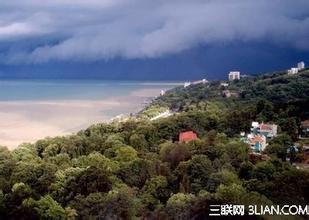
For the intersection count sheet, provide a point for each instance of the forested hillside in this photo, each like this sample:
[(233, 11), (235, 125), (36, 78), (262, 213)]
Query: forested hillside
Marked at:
[(275, 97), (138, 169)]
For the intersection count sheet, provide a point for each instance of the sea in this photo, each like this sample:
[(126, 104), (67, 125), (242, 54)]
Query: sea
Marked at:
[(34, 109), (17, 90)]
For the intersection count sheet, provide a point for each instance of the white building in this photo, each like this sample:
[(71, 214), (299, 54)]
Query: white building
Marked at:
[(186, 84), (257, 142), (162, 92), (301, 65), (255, 124), (233, 75), (200, 81), (268, 130), (224, 84), (292, 71)]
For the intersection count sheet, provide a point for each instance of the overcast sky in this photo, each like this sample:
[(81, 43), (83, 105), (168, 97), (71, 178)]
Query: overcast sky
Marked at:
[(37, 32)]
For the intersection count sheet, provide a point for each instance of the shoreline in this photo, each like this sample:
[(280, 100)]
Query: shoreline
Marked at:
[(27, 121)]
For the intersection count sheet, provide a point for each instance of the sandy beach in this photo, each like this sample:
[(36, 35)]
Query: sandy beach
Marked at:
[(28, 121)]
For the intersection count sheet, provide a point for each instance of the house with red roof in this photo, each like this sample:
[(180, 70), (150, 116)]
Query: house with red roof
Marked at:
[(269, 130), (260, 134), (187, 136), (257, 142)]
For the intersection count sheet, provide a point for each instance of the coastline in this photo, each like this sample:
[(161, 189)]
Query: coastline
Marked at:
[(31, 120)]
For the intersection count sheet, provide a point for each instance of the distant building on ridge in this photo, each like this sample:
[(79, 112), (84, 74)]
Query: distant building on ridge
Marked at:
[(292, 71), (233, 75), (295, 70), (227, 93), (186, 84), (301, 65), (224, 84)]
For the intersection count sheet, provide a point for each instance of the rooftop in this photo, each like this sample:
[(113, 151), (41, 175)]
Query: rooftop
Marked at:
[(187, 136)]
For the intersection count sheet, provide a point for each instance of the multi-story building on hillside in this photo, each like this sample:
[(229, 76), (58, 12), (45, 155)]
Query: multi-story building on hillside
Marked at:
[(301, 65), (233, 75)]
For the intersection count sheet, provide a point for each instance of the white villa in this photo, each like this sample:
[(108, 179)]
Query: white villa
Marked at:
[(233, 75), (301, 65), (292, 71), (259, 136), (295, 70)]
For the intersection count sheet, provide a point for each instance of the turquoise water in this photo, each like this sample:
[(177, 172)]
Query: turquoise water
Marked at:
[(12, 90)]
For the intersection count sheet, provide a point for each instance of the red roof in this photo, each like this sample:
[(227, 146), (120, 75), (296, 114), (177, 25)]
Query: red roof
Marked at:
[(187, 136), (266, 127), (256, 138)]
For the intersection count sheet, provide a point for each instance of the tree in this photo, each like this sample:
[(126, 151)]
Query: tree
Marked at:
[(155, 192), (126, 154), (279, 146), (96, 159), (211, 137), (74, 146), (238, 120), (237, 152), (255, 198), (51, 150), (14, 200), (245, 171), (264, 171), (294, 184), (231, 194), (199, 170), (119, 204), (224, 177), (37, 175), (7, 165), (174, 153), (91, 180), (46, 208), (71, 214), (116, 204), (114, 140), (138, 141), (214, 151), (179, 206), (135, 173), (26, 152), (265, 110), (62, 189), (2, 205), (62, 161), (289, 126)]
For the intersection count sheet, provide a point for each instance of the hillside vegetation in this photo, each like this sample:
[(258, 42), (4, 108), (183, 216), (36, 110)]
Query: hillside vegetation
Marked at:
[(138, 169), (277, 98)]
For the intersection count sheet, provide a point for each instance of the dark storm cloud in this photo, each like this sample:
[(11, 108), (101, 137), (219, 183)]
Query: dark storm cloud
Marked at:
[(104, 29)]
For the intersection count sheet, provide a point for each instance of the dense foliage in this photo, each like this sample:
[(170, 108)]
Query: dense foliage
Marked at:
[(137, 168)]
